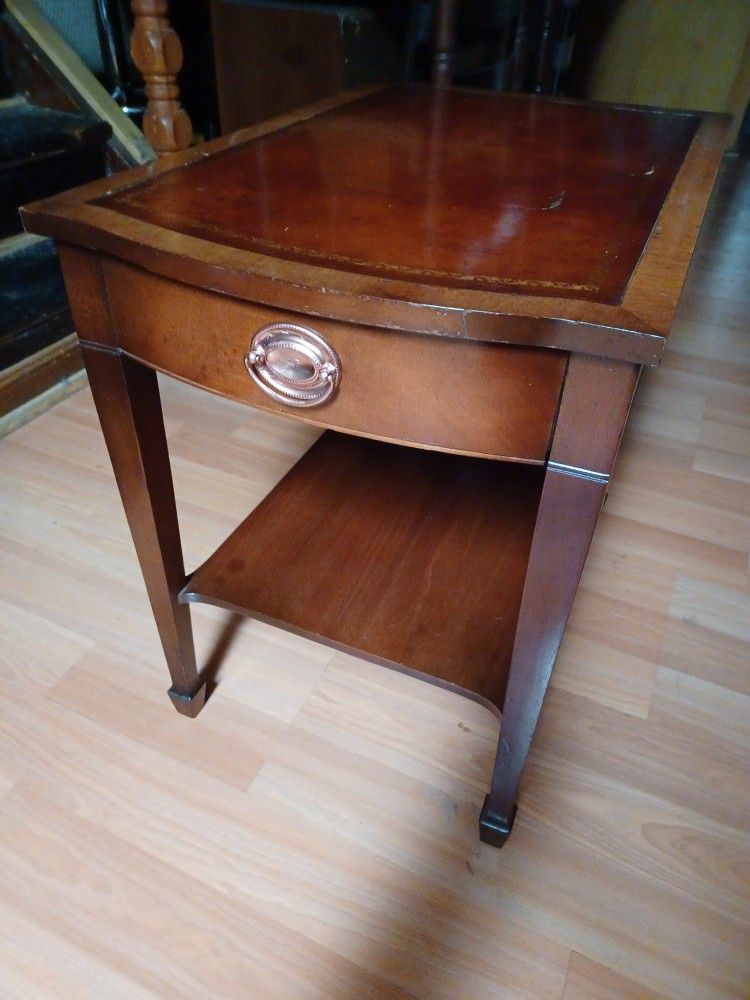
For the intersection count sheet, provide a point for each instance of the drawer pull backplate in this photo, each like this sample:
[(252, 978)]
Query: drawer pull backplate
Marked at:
[(293, 364)]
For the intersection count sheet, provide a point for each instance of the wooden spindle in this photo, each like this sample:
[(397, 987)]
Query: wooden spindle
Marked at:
[(544, 62), (444, 45), (518, 56), (157, 52)]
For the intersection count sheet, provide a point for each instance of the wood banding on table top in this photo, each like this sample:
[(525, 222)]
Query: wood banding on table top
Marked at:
[(451, 212), (455, 189)]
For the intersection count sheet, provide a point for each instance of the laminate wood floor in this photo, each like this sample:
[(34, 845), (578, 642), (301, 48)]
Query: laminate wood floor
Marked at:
[(314, 832)]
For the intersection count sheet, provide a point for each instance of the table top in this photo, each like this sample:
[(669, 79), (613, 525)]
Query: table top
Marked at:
[(434, 210), (455, 189)]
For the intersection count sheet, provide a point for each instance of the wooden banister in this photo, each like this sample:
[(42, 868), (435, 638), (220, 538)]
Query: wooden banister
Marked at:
[(157, 52)]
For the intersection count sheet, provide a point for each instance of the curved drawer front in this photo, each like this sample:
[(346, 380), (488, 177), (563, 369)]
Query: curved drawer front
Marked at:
[(479, 399)]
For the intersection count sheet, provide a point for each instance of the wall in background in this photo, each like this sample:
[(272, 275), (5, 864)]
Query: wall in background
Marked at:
[(692, 54)]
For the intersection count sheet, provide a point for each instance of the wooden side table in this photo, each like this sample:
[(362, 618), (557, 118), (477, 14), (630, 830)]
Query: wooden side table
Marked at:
[(461, 288)]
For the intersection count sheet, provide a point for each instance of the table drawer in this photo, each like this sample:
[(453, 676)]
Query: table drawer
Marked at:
[(456, 395)]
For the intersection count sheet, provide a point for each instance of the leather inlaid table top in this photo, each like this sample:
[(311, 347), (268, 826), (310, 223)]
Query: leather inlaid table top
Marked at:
[(492, 217), (450, 188)]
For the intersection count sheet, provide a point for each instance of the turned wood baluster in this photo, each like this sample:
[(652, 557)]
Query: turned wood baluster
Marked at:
[(157, 52), (444, 45), (544, 71), (520, 48)]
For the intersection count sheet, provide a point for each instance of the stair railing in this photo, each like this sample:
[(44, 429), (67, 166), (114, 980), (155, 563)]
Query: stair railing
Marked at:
[(157, 52)]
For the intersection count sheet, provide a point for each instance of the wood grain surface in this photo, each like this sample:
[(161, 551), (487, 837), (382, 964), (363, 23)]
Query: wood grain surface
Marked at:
[(127, 401), (407, 209), (313, 832), (483, 399), (452, 188), (415, 558), (157, 52)]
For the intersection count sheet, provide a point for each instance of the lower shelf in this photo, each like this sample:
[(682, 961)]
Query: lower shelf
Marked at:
[(415, 559)]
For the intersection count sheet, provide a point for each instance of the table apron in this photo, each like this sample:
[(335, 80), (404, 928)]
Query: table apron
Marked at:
[(489, 400)]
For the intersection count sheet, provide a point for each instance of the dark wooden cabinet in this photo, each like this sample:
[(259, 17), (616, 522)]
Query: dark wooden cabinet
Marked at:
[(272, 57)]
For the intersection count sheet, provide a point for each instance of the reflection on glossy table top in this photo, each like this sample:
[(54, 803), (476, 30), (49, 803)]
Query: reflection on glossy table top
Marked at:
[(453, 188)]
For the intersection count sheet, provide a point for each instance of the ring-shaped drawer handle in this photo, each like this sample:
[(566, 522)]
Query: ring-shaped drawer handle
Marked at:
[(293, 364)]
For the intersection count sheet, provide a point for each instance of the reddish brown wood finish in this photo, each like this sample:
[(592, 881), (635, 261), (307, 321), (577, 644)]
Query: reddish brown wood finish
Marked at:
[(480, 399), (30, 378), (127, 401), (394, 215), (593, 410), (87, 294), (442, 187), (416, 559), (375, 218), (157, 52)]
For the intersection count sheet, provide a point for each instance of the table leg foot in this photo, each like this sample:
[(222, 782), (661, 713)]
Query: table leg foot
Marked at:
[(495, 830), (189, 704)]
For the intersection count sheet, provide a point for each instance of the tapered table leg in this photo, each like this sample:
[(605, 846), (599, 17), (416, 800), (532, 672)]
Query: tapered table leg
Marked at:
[(568, 510), (593, 411), (127, 400)]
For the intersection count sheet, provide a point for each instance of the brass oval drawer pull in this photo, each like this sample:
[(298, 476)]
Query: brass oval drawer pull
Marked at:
[(293, 365)]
